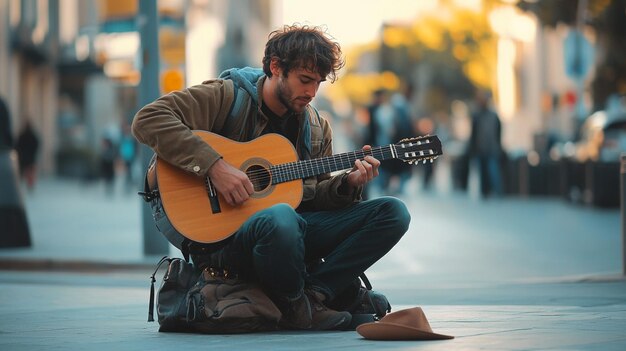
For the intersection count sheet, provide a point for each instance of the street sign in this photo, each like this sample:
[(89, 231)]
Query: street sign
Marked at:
[(578, 54), (172, 79)]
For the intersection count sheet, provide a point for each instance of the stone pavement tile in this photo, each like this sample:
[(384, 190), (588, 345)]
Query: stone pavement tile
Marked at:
[(532, 327)]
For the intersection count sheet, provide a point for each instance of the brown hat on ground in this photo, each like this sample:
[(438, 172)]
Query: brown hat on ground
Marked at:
[(409, 324)]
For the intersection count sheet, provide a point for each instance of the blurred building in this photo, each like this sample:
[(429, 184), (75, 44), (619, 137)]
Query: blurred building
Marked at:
[(73, 66), (29, 51)]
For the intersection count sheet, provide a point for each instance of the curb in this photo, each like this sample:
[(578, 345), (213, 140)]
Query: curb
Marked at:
[(56, 265)]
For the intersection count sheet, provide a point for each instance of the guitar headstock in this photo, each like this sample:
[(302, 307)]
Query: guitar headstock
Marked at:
[(422, 148)]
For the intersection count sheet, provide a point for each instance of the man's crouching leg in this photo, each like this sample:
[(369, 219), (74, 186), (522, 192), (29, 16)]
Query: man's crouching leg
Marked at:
[(274, 239)]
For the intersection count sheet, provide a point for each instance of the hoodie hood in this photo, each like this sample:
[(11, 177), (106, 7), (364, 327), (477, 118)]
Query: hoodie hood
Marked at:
[(245, 78)]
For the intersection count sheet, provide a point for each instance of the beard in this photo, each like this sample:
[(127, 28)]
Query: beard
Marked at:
[(285, 96)]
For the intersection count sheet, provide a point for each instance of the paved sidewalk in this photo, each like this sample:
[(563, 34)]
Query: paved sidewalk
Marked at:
[(107, 311), (506, 274)]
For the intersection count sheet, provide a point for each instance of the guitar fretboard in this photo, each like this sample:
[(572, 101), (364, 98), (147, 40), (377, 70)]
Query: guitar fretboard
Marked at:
[(303, 169)]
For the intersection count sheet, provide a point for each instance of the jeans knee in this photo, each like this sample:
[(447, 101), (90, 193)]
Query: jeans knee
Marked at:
[(399, 214), (283, 226)]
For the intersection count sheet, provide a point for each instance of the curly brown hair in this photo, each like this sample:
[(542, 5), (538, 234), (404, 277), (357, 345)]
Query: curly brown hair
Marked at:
[(297, 46)]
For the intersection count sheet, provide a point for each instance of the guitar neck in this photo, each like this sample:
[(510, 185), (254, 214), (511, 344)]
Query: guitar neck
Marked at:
[(308, 168)]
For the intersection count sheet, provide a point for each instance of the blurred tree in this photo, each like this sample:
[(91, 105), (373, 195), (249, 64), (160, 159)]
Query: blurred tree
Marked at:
[(445, 55), (608, 19)]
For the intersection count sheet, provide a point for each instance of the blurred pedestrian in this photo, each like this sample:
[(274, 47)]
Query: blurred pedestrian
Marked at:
[(378, 97), (108, 156), (391, 120), (128, 151), (426, 126), (485, 144), (6, 138), (27, 146), (403, 129), (382, 131), (14, 231)]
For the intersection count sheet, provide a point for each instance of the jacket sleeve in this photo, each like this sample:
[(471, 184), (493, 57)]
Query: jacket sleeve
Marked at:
[(166, 124), (321, 193)]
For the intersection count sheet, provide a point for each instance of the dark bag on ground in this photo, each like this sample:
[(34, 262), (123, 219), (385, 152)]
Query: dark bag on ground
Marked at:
[(209, 301)]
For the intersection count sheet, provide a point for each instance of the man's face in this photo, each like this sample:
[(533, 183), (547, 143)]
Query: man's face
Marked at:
[(298, 89)]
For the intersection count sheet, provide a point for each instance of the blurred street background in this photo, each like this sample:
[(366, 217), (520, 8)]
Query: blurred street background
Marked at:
[(527, 96)]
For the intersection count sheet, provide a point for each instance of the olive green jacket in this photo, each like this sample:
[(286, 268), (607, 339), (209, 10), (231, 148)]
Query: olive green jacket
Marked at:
[(166, 125)]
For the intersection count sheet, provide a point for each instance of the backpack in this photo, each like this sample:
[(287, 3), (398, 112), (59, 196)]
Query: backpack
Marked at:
[(209, 301)]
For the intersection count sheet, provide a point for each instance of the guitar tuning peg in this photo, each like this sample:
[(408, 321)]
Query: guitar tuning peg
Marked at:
[(432, 160)]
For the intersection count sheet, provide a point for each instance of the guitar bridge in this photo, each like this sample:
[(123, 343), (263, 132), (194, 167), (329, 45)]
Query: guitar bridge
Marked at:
[(213, 199)]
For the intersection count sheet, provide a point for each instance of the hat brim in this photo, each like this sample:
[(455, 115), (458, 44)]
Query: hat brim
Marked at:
[(393, 331)]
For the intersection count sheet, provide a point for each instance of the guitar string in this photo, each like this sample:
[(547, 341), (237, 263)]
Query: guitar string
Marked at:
[(306, 166), (291, 166), (326, 160), (320, 162), (284, 172)]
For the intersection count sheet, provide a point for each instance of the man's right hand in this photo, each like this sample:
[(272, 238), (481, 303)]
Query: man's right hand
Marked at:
[(233, 184)]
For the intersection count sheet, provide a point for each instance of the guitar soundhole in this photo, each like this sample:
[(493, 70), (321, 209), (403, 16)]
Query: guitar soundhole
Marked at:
[(260, 177)]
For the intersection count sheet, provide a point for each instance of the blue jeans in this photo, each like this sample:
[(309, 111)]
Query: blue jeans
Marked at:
[(276, 245)]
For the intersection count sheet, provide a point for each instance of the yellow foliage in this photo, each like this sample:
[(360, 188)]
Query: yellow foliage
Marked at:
[(488, 50), (429, 32), (359, 87), (598, 6), (389, 80), (479, 73), (394, 36), (353, 55), (465, 34), (460, 52), (457, 36)]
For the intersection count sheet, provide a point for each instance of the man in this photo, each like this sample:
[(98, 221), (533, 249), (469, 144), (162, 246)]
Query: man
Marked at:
[(6, 138), (485, 144), (305, 259)]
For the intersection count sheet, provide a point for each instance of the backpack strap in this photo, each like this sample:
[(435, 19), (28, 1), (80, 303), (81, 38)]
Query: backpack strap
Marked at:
[(238, 101), (365, 281), (244, 82), (152, 281), (237, 114)]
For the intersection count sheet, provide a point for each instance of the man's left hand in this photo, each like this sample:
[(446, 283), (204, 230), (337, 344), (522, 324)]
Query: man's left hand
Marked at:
[(364, 170)]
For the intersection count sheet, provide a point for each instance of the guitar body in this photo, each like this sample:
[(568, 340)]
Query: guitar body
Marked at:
[(185, 196)]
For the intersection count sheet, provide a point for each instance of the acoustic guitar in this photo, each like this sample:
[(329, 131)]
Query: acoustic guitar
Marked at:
[(198, 213)]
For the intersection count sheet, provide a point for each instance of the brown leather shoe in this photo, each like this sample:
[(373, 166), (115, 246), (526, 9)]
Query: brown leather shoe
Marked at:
[(296, 313), (323, 318)]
